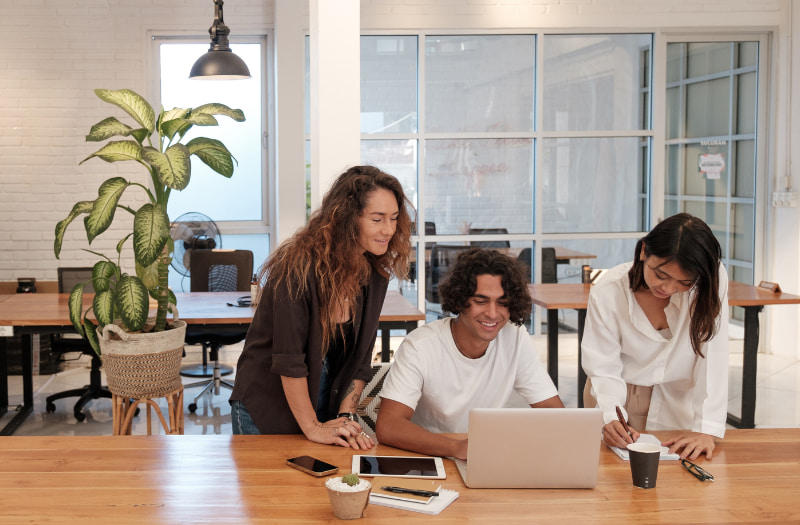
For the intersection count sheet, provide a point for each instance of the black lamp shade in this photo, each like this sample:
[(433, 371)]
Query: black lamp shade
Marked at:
[(219, 65)]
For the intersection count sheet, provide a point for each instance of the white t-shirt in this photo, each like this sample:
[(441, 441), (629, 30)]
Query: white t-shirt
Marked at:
[(432, 377), (621, 346)]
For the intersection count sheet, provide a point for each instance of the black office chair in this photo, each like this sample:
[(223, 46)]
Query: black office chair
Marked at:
[(430, 229), (69, 342), (216, 271), (548, 263), (443, 257), (489, 244)]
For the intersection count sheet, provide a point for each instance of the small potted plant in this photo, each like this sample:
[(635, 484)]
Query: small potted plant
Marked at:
[(122, 298), (349, 496)]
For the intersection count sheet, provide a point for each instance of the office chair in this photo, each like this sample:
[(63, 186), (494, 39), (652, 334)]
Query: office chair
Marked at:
[(548, 263), (70, 342), (430, 229), (216, 271), (489, 244), (442, 258)]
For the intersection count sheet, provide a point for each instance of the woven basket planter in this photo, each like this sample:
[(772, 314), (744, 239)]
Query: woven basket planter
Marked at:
[(143, 365)]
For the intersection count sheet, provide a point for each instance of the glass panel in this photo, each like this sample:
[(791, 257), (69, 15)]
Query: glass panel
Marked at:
[(748, 54), (601, 253), (673, 171), (479, 83), (715, 214), (742, 233), (746, 109), (581, 177), (744, 178), (479, 184), (708, 107), (589, 81), (395, 157), (388, 84), (673, 116), (675, 64), (706, 58), (240, 197), (701, 175)]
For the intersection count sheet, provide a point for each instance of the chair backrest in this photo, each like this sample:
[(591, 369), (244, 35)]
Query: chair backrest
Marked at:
[(526, 258), (221, 270), (69, 277), (488, 231), (443, 257), (549, 265)]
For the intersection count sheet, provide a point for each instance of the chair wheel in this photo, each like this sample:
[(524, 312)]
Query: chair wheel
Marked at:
[(192, 407), (80, 416), (51, 407)]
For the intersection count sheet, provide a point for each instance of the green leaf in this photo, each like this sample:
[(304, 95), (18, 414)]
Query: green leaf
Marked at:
[(102, 214), (175, 126), (150, 233), (118, 150), (133, 104), (203, 119), (149, 276), (75, 303), (173, 166), (79, 208), (91, 335), (219, 109), (105, 129), (131, 302), (102, 273), (103, 306), (213, 153)]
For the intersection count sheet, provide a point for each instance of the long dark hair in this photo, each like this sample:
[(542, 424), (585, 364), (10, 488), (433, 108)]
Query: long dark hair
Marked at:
[(689, 242), (462, 281), (329, 247)]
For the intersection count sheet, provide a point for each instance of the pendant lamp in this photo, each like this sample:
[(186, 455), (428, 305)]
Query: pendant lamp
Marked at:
[(220, 63)]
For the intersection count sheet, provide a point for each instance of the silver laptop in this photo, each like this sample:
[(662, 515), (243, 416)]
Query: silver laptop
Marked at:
[(532, 448)]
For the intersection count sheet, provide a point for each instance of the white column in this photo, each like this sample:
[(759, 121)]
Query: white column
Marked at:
[(291, 21), (335, 91)]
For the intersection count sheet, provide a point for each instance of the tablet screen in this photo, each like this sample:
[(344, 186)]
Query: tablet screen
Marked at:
[(399, 466)]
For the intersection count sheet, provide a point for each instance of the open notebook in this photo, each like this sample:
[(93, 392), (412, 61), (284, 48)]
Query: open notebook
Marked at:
[(645, 438)]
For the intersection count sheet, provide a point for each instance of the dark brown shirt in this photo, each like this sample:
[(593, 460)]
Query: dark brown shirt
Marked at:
[(285, 339)]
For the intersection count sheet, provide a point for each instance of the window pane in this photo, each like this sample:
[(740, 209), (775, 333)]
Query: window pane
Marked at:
[(748, 54), (742, 234), (582, 177), (697, 182), (708, 108), (240, 197), (746, 110), (744, 179), (479, 184), (715, 214), (479, 83), (705, 58), (589, 81), (388, 84), (396, 157)]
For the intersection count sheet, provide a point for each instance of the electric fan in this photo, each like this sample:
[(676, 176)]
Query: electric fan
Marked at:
[(192, 231)]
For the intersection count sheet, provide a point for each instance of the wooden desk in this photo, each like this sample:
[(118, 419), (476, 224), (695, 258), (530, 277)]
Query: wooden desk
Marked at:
[(554, 297), (47, 313), (244, 479)]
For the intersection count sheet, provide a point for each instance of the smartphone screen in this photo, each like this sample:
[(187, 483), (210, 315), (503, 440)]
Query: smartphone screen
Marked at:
[(312, 466)]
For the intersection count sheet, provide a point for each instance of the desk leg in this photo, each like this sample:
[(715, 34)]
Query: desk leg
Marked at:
[(581, 373), (552, 345), (27, 387), (4, 374), (386, 334), (749, 369)]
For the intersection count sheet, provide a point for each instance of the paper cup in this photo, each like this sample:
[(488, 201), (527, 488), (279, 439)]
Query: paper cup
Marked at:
[(644, 464)]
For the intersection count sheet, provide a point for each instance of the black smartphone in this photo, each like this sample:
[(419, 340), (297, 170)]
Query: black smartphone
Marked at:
[(312, 466)]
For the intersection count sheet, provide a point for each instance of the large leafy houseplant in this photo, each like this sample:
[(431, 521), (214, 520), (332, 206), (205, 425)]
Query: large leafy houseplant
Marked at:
[(155, 143)]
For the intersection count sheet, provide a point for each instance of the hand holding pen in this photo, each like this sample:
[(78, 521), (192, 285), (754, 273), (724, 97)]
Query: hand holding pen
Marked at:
[(619, 433)]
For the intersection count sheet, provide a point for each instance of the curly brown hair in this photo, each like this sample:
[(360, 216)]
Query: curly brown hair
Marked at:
[(462, 281), (329, 247)]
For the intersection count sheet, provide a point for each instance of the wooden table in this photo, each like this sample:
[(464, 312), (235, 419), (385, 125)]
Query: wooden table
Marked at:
[(554, 297), (47, 313), (244, 479)]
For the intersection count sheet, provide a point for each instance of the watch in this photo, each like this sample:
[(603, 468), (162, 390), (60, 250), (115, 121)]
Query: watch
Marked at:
[(352, 416)]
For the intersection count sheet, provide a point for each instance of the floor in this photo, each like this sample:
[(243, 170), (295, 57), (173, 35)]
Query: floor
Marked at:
[(778, 402)]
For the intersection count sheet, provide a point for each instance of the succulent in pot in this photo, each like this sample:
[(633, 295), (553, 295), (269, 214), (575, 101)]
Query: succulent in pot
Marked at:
[(155, 142)]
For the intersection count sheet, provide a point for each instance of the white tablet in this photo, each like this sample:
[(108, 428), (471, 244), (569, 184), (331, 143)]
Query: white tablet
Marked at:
[(399, 466)]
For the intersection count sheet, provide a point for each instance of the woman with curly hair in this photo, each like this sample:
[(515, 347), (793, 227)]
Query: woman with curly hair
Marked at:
[(656, 339), (475, 360), (308, 351)]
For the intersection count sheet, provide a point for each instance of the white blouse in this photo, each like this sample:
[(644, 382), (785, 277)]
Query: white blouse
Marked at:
[(621, 346)]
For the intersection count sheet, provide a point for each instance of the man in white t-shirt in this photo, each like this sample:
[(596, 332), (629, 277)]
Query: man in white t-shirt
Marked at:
[(476, 360)]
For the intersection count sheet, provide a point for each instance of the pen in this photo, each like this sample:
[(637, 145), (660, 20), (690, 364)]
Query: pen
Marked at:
[(401, 490), (624, 423)]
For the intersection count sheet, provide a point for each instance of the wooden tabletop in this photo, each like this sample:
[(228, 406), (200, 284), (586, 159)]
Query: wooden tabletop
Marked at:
[(50, 309), (244, 479)]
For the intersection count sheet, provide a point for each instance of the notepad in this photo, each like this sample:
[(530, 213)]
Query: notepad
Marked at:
[(407, 483), (436, 505), (646, 438)]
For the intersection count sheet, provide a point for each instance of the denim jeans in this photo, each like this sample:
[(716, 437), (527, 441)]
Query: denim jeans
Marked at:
[(241, 421)]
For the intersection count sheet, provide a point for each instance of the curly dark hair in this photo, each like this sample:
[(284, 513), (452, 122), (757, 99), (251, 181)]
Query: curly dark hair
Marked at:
[(462, 281)]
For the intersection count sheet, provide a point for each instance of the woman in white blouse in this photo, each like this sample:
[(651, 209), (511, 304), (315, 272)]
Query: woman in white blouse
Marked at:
[(656, 339)]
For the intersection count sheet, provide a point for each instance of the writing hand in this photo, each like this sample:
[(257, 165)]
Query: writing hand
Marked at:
[(614, 435)]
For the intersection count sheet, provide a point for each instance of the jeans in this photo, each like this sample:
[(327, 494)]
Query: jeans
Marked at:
[(241, 421)]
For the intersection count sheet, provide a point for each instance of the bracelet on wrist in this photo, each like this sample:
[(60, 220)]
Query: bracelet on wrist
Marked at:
[(352, 416)]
